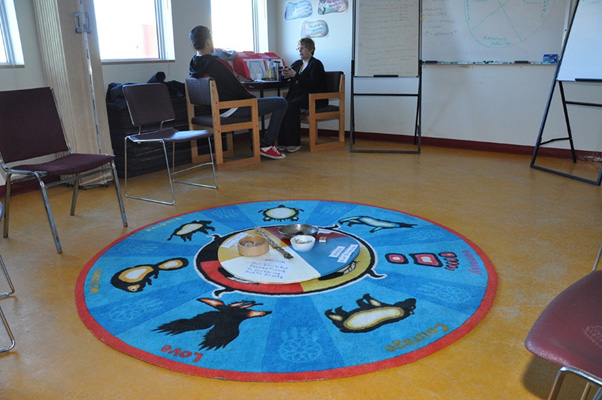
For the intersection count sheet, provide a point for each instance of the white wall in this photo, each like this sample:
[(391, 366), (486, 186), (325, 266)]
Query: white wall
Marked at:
[(32, 75), (485, 103)]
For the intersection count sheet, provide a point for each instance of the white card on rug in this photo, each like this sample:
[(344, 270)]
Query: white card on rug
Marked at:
[(271, 267), (272, 270)]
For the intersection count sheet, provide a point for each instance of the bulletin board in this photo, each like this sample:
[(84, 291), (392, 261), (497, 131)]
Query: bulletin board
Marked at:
[(488, 31)]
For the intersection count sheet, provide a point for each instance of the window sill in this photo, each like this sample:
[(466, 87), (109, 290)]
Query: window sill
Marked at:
[(135, 61)]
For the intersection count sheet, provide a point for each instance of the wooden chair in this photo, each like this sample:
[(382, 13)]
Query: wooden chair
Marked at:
[(30, 127), (335, 89), (203, 92), (569, 332), (150, 107)]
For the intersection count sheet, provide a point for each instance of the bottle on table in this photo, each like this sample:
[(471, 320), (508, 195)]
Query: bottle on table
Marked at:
[(270, 71), (276, 70)]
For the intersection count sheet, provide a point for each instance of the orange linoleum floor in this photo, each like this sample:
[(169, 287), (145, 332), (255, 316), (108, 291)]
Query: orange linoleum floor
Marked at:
[(541, 232)]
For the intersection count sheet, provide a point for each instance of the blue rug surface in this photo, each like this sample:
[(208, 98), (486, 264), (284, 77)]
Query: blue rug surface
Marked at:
[(162, 295)]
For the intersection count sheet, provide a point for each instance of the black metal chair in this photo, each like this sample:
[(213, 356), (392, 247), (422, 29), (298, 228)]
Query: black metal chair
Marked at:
[(30, 127), (150, 107)]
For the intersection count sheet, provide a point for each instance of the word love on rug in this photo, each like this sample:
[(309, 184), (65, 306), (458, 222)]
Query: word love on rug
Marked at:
[(378, 289)]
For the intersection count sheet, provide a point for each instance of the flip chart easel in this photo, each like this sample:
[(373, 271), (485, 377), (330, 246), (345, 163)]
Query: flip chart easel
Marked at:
[(386, 44), (581, 63)]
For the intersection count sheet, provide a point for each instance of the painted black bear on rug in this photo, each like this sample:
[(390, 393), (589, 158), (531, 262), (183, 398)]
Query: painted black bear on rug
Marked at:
[(224, 322), (370, 315)]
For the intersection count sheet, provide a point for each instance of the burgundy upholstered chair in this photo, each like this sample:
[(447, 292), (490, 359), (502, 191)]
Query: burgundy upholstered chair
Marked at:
[(30, 127), (569, 332), (150, 107)]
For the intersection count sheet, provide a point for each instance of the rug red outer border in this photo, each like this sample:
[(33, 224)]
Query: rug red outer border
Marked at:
[(445, 341)]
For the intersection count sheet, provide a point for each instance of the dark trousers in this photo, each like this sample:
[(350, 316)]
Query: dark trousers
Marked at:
[(291, 125), (267, 105), (290, 129)]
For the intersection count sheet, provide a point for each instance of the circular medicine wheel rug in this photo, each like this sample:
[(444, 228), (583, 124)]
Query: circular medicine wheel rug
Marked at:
[(379, 289)]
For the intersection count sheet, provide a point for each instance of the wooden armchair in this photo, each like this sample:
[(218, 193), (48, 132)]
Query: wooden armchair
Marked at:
[(203, 92), (335, 84)]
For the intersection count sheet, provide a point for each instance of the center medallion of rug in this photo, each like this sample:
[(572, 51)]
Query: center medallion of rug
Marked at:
[(379, 289)]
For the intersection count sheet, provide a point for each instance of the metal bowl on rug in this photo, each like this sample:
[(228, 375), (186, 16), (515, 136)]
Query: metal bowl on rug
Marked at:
[(288, 231)]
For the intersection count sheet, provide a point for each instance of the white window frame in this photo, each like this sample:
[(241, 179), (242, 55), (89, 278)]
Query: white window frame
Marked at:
[(9, 34), (260, 26), (165, 36)]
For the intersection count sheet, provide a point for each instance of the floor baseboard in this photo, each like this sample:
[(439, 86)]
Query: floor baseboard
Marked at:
[(590, 156)]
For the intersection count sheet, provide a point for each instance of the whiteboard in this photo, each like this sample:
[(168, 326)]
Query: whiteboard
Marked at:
[(582, 58), (492, 31), (387, 37)]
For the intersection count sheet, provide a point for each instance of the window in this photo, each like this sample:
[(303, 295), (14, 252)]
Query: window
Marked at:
[(11, 52), (239, 25), (134, 29)]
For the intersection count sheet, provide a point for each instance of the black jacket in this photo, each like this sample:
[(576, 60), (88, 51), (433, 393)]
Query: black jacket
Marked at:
[(228, 86), (311, 80)]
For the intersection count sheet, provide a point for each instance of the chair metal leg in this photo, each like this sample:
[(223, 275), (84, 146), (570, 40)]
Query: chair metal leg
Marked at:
[(212, 163), (10, 283), (55, 234), (10, 334), (4, 321), (7, 188), (118, 191), (557, 384), (171, 172), (74, 196), (597, 259), (169, 177), (585, 392), (214, 186), (569, 370), (125, 167)]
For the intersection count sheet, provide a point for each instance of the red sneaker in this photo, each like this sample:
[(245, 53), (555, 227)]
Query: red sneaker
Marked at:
[(271, 152)]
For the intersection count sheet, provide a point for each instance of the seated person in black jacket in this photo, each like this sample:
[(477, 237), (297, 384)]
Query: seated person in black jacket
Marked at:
[(306, 76), (205, 64)]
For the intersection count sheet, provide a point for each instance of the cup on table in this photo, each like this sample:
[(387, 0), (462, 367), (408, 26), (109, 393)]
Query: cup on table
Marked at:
[(258, 76)]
